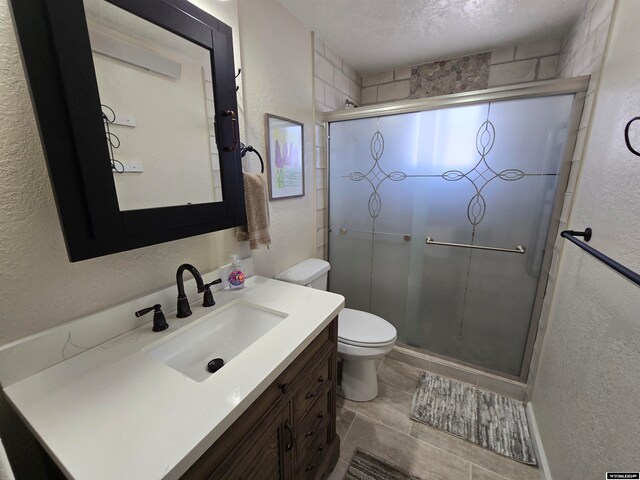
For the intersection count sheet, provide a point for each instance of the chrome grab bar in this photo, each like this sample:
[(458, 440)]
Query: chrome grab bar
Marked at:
[(407, 238), (519, 249)]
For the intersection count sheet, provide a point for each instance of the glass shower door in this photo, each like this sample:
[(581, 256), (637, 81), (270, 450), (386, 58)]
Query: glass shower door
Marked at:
[(483, 175), (371, 209), (496, 189)]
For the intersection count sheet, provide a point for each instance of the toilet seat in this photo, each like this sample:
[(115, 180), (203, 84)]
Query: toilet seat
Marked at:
[(362, 329)]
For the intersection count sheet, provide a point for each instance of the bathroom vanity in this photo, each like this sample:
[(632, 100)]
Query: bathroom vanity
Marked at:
[(290, 431), (126, 409)]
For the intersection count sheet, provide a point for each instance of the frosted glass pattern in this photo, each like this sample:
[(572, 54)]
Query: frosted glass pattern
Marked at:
[(484, 174)]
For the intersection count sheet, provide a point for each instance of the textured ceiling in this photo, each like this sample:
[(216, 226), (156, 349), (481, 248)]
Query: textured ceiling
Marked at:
[(377, 35)]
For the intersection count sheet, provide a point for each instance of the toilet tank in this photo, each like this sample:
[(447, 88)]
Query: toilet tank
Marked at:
[(312, 273)]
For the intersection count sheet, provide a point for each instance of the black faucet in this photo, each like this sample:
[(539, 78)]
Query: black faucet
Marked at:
[(183, 303)]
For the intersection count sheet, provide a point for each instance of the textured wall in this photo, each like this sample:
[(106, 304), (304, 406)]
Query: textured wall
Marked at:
[(587, 393), (581, 54), (277, 79)]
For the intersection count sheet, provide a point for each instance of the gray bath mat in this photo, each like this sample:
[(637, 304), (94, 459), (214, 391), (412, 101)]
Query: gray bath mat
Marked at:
[(366, 466), (485, 418)]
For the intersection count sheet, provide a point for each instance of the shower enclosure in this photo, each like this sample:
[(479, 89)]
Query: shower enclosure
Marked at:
[(443, 214)]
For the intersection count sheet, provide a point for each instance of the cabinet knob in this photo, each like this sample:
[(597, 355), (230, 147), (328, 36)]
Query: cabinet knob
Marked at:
[(284, 387)]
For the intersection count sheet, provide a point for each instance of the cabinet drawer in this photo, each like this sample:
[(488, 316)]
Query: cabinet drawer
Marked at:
[(291, 376), (310, 467), (312, 425), (313, 384)]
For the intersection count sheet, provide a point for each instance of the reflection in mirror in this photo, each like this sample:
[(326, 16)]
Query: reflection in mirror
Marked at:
[(158, 109)]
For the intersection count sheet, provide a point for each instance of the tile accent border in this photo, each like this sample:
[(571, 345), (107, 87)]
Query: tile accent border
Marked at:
[(460, 74), (510, 65)]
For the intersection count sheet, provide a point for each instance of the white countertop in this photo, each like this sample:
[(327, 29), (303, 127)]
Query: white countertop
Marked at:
[(114, 412)]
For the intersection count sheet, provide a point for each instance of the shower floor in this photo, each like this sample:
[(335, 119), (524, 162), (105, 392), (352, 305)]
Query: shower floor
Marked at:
[(383, 427)]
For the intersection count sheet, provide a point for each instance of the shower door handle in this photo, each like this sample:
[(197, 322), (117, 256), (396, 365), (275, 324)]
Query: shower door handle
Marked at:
[(519, 248)]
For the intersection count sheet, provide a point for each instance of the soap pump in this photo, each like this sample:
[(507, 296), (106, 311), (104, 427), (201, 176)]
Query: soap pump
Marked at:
[(236, 276)]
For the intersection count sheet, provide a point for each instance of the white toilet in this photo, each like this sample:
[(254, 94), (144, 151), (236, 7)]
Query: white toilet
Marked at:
[(362, 337)]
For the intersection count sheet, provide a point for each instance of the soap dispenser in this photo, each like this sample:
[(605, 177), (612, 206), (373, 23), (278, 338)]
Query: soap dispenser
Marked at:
[(236, 276)]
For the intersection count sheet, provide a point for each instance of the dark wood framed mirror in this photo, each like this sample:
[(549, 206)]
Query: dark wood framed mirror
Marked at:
[(186, 136)]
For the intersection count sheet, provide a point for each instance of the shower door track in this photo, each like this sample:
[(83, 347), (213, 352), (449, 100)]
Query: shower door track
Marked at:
[(512, 92), (577, 86)]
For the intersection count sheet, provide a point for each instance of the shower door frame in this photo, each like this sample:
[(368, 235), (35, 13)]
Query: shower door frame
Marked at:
[(577, 86)]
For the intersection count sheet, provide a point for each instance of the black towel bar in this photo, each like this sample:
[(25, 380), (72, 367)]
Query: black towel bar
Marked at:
[(586, 234)]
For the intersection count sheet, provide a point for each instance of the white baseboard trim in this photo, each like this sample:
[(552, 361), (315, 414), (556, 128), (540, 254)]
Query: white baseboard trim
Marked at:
[(538, 448)]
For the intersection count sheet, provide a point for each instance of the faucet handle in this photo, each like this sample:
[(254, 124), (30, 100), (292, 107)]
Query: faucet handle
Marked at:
[(159, 321), (207, 299)]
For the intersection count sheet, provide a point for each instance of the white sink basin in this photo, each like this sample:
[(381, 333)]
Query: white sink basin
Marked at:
[(224, 334)]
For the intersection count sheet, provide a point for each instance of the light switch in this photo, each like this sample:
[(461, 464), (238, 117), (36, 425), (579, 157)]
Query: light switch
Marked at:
[(125, 120), (132, 166)]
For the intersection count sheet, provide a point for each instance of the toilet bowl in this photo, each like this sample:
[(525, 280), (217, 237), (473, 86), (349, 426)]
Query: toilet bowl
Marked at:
[(362, 337)]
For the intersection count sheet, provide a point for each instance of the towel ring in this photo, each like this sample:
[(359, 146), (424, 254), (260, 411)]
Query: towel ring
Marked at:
[(626, 136), (249, 148)]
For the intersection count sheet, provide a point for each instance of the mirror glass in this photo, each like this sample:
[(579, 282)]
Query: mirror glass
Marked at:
[(157, 101)]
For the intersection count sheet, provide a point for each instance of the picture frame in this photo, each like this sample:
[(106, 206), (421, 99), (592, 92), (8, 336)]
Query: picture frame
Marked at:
[(285, 156)]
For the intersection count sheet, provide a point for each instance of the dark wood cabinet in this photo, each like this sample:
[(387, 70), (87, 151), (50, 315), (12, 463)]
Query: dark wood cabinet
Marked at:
[(268, 457), (289, 432)]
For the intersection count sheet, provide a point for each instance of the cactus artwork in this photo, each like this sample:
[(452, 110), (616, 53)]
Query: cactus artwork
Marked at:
[(285, 157)]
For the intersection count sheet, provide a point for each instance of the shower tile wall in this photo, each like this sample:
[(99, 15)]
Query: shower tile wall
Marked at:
[(334, 81), (511, 65), (582, 53)]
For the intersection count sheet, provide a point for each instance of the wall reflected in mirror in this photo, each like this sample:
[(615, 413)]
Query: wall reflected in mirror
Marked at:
[(158, 105)]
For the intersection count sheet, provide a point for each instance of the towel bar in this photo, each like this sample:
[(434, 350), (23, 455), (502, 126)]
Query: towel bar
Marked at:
[(519, 248), (586, 234)]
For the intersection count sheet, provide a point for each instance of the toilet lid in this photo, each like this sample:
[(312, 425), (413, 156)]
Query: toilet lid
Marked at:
[(364, 329)]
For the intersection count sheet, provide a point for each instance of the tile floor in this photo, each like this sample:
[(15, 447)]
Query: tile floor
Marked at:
[(383, 427)]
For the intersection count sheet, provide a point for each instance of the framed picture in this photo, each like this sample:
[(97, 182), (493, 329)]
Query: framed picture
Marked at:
[(285, 155)]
